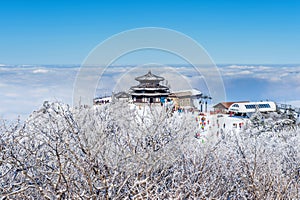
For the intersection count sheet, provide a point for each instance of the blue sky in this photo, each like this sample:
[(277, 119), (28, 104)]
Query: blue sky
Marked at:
[(64, 32), (50, 36)]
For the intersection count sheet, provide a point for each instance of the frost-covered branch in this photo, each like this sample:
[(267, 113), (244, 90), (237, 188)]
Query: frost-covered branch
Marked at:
[(120, 152)]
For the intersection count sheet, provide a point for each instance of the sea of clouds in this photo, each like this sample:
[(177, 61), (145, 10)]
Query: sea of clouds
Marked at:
[(24, 88)]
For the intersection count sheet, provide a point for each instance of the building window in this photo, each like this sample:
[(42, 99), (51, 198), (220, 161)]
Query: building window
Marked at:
[(264, 106), (253, 106), (250, 106)]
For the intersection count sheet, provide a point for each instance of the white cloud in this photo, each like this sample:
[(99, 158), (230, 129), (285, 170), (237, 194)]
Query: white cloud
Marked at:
[(240, 67), (294, 103), (12, 94), (272, 73), (24, 88), (3, 85), (40, 71)]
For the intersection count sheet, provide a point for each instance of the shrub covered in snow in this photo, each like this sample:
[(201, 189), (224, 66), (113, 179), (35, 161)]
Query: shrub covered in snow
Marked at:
[(120, 152)]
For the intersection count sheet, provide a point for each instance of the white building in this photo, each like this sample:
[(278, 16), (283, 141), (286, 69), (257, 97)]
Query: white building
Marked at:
[(251, 107)]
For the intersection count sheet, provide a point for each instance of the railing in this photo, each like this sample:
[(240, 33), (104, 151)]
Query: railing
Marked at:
[(288, 107)]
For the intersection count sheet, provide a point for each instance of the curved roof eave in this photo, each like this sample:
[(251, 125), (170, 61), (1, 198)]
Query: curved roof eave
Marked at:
[(149, 77)]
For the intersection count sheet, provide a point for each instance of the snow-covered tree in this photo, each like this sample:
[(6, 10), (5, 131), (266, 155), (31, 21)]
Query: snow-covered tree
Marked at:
[(118, 151)]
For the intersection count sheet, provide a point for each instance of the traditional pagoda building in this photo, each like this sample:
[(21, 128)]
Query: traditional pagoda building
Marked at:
[(149, 90)]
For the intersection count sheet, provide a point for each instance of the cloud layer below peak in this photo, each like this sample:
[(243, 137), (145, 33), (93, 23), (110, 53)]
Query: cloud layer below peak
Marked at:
[(24, 88)]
